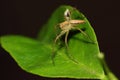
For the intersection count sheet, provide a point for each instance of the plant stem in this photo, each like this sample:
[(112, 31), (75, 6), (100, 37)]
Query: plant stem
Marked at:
[(109, 74)]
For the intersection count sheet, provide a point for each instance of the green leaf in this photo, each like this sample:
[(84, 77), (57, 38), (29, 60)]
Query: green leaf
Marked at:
[(34, 56)]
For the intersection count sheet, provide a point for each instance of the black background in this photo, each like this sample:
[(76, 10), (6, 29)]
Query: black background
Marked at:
[(24, 17)]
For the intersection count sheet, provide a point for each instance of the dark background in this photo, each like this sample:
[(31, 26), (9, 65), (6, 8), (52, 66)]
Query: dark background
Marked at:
[(25, 17)]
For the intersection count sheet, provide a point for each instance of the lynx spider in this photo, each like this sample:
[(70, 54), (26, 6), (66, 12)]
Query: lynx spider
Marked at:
[(66, 26)]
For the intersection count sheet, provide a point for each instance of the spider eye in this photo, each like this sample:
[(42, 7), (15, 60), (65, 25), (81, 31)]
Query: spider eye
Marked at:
[(67, 13)]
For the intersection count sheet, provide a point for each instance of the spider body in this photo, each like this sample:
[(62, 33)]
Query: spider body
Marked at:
[(68, 25)]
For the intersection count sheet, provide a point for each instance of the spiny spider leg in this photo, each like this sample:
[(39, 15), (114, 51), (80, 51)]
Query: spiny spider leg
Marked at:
[(66, 36), (92, 41), (61, 33), (53, 54), (66, 43), (55, 28)]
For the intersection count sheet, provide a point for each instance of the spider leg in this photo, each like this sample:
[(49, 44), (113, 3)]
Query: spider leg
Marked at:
[(61, 33), (92, 41), (66, 43), (54, 54), (55, 28), (66, 36)]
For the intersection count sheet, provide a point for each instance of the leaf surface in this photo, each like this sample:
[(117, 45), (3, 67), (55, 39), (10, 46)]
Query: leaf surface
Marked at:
[(34, 56)]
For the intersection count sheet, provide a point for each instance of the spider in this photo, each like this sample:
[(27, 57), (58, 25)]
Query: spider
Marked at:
[(68, 25)]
